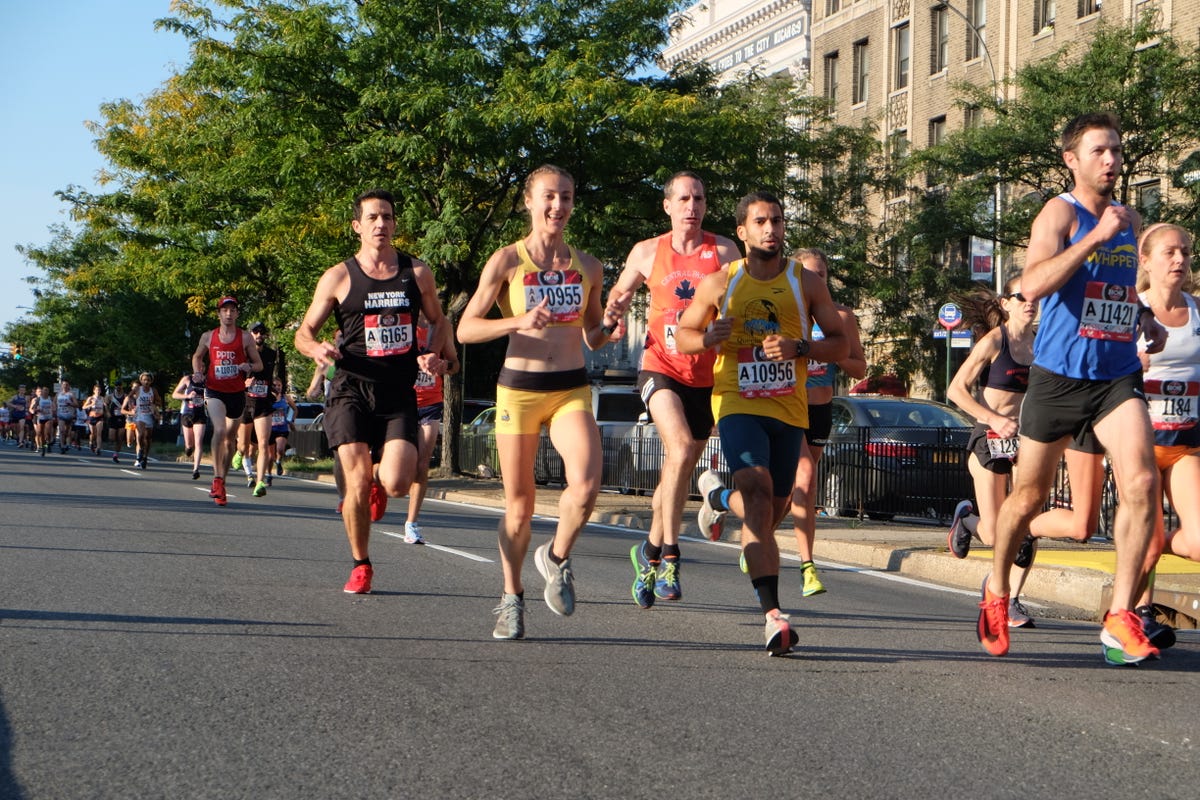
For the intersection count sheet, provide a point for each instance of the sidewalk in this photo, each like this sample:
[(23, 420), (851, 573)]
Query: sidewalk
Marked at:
[(1072, 580)]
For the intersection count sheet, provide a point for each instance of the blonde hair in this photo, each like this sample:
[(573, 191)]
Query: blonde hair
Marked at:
[(1146, 243)]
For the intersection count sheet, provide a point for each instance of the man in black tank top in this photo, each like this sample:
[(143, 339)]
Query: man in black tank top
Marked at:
[(377, 296)]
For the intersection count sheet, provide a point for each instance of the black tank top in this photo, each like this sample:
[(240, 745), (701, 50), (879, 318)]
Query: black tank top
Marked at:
[(378, 319), (1006, 373)]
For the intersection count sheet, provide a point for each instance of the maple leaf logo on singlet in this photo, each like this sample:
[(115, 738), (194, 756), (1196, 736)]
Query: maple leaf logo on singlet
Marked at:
[(685, 290)]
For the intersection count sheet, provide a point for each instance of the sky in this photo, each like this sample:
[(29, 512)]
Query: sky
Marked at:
[(59, 61)]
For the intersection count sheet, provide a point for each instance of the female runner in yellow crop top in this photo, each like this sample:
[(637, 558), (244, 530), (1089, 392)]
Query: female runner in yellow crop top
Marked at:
[(549, 297)]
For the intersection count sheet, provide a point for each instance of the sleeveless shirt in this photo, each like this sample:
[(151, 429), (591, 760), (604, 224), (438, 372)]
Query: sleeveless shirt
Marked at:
[(565, 290), (378, 319), (428, 387), (746, 382), (672, 284), (223, 360), (1087, 329), (1173, 382), (1005, 372)]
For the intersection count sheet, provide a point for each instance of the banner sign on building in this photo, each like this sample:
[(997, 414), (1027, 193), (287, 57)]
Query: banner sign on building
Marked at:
[(982, 252)]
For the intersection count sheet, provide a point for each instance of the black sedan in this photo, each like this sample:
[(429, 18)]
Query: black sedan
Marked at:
[(890, 456)]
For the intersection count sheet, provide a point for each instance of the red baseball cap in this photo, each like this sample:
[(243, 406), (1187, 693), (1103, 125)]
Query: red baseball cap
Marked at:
[(226, 300)]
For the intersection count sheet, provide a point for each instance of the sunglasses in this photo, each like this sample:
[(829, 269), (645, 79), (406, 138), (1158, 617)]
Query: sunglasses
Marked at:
[(1015, 296)]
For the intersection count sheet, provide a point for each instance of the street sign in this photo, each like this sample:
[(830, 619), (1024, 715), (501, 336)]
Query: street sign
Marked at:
[(949, 315)]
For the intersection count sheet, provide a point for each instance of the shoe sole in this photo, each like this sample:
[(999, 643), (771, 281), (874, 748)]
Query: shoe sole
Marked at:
[(776, 647), (1114, 653), (813, 592), (950, 546), (637, 573)]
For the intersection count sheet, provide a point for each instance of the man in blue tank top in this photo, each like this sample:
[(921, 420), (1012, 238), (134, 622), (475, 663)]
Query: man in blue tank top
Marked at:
[(1082, 265)]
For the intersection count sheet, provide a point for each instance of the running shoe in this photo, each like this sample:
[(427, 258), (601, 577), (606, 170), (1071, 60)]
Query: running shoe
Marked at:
[(260, 489), (1123, 641), (142, 464), (1025, 554), (711, 521), (237, 459), (666, 586), (378, 501), (278, 467), (116, 460), (1018, 615), (412, 533), (270, 479), (992, 627), (339, 506), (742, 565), (196, 474), (1160, 634), (560, 583), (812, 581), (780, 636), (644, 575), (959, 539), (360, 580), (218, 491), (510, 618)]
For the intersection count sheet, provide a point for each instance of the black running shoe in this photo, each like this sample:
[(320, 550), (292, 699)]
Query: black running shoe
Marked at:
[(1025, 555), (1160, 634)]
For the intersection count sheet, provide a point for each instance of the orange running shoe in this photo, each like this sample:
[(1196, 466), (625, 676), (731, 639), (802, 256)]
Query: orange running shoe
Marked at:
[(360, 580), (378, 501), (1123, 639), (992, 627)]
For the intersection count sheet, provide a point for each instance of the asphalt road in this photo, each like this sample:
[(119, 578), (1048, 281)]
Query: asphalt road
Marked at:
[(153, 645)]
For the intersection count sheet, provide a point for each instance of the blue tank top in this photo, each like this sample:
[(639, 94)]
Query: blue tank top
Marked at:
[(819, 373), (1088, 326)]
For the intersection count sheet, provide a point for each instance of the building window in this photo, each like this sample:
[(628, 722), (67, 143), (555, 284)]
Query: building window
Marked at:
[(832, 6), (1043, 16), (902, 42), (937, 132), (939, 40), (1147, 199), (976, 27), (898, 147), (972, 117), (862, 71), (1088, 7), (831, 77)]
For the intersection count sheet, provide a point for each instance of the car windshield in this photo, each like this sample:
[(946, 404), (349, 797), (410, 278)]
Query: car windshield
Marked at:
[(897, 413)]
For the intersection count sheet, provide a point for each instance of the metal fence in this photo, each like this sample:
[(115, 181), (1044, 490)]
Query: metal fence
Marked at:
[(868, 472)]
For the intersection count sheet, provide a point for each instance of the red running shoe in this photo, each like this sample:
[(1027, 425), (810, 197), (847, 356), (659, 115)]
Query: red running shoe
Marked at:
[(217, 493), (360, 580), (378, 501), (992, 627)]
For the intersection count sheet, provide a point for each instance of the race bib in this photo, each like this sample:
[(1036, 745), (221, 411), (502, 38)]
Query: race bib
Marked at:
[(278, 418), (258, 388), (562, 291), (387, 334), (1109, 312), (759, 377), (1004, 447), (425, 380), (226, 366), (669, 338), (1173, 404), (817, 369)]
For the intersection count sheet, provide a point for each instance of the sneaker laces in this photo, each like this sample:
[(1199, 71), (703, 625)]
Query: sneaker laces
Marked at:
[(995, 610), (667, 570)]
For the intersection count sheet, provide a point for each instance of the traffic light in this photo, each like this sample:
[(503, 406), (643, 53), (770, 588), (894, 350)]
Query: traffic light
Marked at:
[(16, 352)]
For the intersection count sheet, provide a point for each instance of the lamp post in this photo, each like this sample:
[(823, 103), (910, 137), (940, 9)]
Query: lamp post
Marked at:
[(997, 271)]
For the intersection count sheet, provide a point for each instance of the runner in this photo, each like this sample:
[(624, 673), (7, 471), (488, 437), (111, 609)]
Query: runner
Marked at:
[(376, 296), (114, 401), (43, 407), (820, 386), (283, 412), (147, 406), (254, 435), (223, 358), (65, 404), (676, 388), (94, 405), (19, 412), (429, 412), (192, 419), (1165, 285), (1082, 265), (757, 312), (549, 299)]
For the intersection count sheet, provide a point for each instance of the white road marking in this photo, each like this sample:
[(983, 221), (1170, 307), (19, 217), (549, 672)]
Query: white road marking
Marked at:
[(451, 550)]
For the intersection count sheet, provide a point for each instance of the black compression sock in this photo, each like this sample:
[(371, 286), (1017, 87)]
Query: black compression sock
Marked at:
[(360, 562), (767, 589)]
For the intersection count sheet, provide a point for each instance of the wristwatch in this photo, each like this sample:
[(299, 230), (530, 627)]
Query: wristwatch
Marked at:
[(802, 347)]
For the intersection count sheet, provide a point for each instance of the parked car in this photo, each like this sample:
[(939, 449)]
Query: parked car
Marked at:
[(307, 415), (895, 455)]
